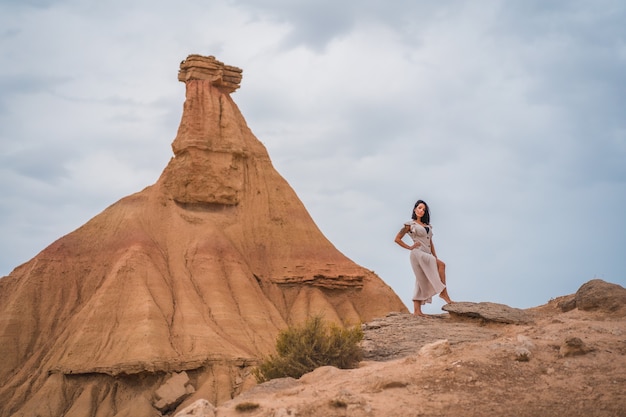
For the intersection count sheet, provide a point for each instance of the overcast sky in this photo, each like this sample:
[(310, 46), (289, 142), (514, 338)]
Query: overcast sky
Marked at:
[(507, 117)]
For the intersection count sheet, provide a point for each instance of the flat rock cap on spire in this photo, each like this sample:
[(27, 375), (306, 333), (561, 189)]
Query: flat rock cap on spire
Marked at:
[(198, 67)]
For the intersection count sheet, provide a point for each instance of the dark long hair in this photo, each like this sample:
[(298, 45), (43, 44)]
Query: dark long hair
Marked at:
[(426, 216)]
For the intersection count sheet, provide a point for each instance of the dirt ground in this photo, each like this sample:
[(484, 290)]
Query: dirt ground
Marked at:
[(562, 363)]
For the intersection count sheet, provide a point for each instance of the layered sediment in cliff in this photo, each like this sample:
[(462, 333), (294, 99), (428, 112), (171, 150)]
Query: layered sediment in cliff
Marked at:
[(197, 273)]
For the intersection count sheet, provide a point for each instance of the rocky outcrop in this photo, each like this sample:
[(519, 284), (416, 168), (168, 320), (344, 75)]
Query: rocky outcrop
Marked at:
[(197, 67), (562, 363), (597, 295), (401, 334), (489, 312), (196, 273)]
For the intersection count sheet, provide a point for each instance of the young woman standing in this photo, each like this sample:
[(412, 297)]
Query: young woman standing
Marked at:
[(430, 272)]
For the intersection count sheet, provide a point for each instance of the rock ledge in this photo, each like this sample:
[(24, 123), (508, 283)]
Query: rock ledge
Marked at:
[(198, 67)]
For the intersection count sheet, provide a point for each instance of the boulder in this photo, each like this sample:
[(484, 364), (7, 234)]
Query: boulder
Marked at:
[(173, 392), (599, 295), (574, 346), (490, 312), (199, 408)]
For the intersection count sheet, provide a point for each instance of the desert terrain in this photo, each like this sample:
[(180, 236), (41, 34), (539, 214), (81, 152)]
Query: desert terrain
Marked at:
[(560, 363)]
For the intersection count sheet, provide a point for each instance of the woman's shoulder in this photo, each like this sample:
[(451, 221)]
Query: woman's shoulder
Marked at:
[(409, 223), (414, 222)]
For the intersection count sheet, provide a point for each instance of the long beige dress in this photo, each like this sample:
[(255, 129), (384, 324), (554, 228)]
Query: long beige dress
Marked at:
[(424, 264)]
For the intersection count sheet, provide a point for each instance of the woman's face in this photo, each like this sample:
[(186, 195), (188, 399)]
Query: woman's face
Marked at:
[(420, 210)]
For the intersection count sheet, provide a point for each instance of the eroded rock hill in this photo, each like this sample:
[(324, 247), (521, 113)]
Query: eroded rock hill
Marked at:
[(196, 273)]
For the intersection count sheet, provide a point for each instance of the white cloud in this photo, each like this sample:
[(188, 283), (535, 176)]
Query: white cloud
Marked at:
[(505, 118)]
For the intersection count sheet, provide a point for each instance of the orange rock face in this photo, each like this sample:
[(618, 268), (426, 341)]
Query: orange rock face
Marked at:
[(198, 272)]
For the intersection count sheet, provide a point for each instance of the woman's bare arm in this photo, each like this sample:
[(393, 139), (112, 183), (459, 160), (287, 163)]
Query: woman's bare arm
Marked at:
[(400, 235)]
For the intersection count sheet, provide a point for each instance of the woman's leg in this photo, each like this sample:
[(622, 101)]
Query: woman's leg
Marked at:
[(417, 309), (441, 268)]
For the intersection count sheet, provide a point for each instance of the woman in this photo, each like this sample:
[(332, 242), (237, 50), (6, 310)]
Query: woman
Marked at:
[(430, 272)]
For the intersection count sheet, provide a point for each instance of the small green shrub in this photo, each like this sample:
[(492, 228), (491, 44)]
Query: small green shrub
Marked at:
[(301, 349)]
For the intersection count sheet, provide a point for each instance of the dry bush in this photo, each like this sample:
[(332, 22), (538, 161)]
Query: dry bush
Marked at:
[(246, 406), (301, 349)]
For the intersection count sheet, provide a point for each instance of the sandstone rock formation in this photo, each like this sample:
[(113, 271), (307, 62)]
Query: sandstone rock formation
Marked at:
[(196, 273)]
